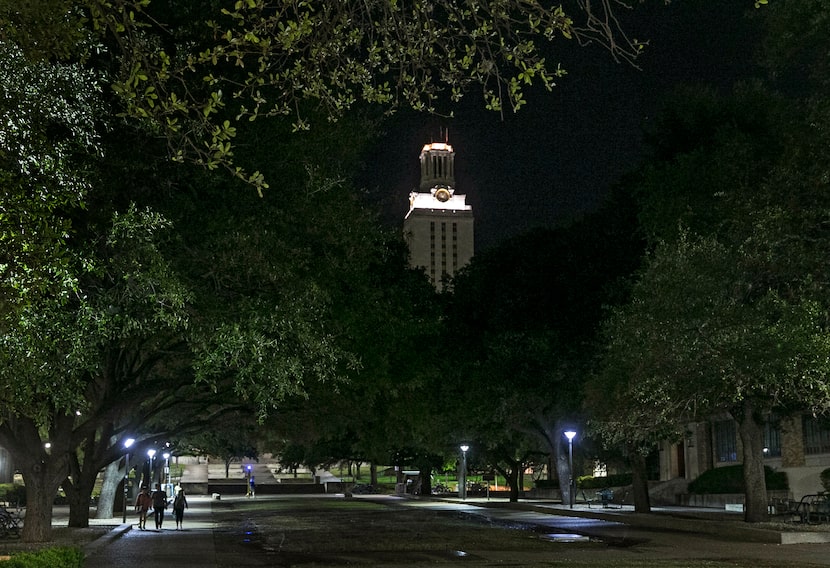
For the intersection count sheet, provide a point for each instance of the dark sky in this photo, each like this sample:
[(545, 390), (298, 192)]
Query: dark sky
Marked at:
[(558, 155)]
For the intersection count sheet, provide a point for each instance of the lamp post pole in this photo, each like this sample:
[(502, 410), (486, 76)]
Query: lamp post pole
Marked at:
[(151, 454), (127, 443), (571, 486), (168, 490), (462, 485)]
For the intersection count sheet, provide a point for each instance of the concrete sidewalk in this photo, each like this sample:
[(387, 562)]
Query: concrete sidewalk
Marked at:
[(191, 546)]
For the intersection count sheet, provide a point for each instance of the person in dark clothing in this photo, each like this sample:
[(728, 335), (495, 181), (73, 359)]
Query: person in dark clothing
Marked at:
[(159, 504), (179, 505)]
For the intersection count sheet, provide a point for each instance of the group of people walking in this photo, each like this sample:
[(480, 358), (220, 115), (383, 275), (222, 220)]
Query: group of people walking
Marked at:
[(157, 501)]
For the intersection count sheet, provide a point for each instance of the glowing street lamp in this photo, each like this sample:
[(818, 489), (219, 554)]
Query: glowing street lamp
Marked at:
[(127, 444), (462, 477), (569, 434)]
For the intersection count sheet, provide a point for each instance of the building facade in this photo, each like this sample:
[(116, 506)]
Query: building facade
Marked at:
[(798, 445), (438, 227)]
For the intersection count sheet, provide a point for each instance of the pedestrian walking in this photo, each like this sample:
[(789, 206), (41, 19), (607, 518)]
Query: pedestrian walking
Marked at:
[(251, 487), (143, 502), (179, 505), (159, 505)]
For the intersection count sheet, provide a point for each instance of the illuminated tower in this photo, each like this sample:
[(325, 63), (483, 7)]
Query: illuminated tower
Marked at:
[(439, 225)]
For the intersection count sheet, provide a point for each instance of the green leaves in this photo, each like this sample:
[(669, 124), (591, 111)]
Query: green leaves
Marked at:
[(49, 138), (270, 59), (730, 309)]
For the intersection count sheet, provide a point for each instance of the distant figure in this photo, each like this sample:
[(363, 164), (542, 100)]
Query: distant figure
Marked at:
[(143, 502), (159, 505), (251, 487), (179, 505)]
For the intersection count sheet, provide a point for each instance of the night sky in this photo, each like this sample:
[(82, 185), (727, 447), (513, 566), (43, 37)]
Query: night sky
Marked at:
[(557, 157)]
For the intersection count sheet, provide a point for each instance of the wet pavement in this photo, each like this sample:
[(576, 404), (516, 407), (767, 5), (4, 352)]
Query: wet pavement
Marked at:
[(127, 545), (214, 538)]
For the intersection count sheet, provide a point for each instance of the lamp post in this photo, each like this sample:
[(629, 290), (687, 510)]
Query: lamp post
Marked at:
[(127, 444), (569, 434), (151, 454), (167, 472), (462, 477)]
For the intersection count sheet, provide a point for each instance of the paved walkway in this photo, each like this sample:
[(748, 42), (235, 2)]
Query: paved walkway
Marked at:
[(668, 531), (126, 546)]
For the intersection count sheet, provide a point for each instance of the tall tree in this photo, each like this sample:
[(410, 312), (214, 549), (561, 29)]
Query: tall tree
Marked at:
[(193, 77), (524, 320), (729, 313), (87, 364)]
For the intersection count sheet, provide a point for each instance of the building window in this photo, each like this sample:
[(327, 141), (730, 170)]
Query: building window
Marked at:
[(816, 436), (772, 439), (726, 441)]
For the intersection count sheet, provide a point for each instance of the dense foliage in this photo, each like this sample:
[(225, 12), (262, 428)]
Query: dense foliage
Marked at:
[(59, 557), (730, 479)]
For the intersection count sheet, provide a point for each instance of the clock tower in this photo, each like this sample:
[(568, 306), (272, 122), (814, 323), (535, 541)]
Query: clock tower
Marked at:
[(439, 225)]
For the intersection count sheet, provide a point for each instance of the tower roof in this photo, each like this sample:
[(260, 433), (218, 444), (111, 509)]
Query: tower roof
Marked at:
[(437, 166)]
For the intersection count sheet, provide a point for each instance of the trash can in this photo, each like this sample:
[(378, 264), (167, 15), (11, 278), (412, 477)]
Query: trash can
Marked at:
[(605, 497)]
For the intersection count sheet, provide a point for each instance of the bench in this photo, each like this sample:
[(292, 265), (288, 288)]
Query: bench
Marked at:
[(603, 496), (9, 522)]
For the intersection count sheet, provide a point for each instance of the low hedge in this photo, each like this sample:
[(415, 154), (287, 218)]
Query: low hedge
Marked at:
[(13, 493), (59, 557), (615, 480), (589, 482), (730, 479)]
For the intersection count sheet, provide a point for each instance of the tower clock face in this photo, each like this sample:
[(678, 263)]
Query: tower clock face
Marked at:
[(442, 195)]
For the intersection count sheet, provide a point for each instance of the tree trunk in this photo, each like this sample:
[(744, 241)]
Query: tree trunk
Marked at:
[(78, 500), (373, 474), (41, 487), (512, 477), (78, 495), (553, 435), (425, 473), (42, 471), (78, 488), (111, 482), (521, 487), (639, 482), (752, 436)]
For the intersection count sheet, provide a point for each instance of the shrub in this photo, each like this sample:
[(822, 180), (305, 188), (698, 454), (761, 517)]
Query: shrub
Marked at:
[(61, 557), (13, 493), (825, 479), (616, 480), (730, 479)]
